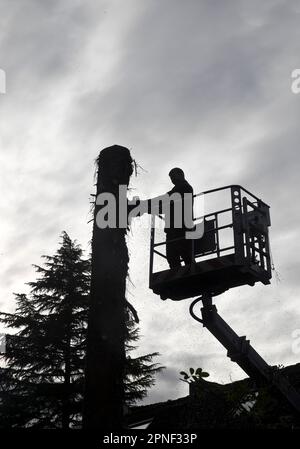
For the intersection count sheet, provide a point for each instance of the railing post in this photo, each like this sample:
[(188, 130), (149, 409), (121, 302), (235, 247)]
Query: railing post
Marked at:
[(151, 248), (217, 235), (236, 203), (246, 231)]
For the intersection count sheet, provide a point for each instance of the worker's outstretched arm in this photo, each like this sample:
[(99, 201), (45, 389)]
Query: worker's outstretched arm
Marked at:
[(153, 206)]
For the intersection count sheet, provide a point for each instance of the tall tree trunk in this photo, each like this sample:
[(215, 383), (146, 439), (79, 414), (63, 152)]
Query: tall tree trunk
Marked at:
[(66, 413), (67, 385), (104, 381)]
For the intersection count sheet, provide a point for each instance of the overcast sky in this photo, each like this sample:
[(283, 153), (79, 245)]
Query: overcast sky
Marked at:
[(200, 84)]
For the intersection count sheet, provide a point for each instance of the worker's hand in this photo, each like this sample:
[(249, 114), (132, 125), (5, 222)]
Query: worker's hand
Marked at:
[(137, 207), (135, 201), (143, 206)]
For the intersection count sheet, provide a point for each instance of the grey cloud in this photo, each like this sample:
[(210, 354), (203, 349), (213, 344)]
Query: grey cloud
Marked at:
[(202, 84)]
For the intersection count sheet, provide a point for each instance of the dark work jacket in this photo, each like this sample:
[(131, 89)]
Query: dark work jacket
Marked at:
[(181, 188)]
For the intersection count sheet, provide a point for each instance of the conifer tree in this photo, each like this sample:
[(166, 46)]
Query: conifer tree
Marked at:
[(42, 382)]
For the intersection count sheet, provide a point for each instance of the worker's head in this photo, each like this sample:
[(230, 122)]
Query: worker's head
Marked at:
[(176, 175)]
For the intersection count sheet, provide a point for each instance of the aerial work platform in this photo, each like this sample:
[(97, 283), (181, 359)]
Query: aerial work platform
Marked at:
[(233, 251)]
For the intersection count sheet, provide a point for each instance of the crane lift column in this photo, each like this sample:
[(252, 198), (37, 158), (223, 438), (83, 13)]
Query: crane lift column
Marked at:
[(240, 351)]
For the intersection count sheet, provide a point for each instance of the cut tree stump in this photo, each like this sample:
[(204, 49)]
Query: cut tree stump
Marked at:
[(105, 359)]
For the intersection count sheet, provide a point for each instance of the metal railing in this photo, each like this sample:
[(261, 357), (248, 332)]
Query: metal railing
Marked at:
[(244, 246)]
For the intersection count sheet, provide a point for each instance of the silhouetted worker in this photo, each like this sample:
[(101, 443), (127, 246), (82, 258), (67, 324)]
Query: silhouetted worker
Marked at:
[(177, 207), (182, 248)]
